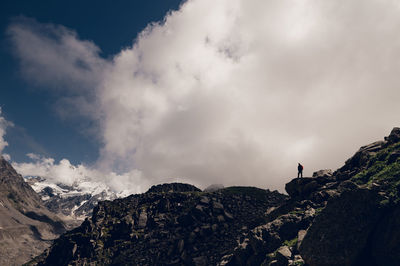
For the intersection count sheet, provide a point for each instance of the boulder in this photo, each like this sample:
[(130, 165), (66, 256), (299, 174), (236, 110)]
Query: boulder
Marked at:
[(340, 233), (385, 243), (301, 187), (300, 236), (283, 255), (394, 136), (323, 173)]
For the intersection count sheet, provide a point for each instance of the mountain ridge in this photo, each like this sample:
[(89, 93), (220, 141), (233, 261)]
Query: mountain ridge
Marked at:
[(26, 225), (345, 217)]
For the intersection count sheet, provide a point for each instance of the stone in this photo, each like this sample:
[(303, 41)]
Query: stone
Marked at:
[(394, 136), (214, 227), (347, 185), (340, 232), (385, 243), (200, 261), (220, 218), (218, 205), (373, 147), (283, 255), (228, 215), (300, 236), (301, 187), (181, 245), (323, 173), (205, 200), (142, 219)]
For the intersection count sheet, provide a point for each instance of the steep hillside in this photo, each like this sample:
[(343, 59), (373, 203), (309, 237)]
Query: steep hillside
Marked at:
[(26, 226), (164, 228), (349, 217)]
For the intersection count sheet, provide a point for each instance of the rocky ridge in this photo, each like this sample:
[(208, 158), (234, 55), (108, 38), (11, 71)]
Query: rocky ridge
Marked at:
[(346, 217), (164, 228), (26, 225)]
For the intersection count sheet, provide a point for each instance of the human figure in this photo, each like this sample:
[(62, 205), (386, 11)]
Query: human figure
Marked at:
[(300, 171)]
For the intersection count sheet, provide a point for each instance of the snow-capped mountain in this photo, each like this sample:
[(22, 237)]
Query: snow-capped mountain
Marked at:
[(75, 201)]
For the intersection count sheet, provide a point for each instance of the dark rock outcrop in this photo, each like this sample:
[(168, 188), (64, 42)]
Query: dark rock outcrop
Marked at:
[(349, 217), (164, 228), (340, 233)]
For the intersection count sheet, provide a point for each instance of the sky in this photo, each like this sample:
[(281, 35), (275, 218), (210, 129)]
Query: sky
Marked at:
[(230, 91)]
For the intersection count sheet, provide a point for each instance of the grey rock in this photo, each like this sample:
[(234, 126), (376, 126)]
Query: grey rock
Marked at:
[(323, 173), (394, 136), (142, 219), (339, 234)]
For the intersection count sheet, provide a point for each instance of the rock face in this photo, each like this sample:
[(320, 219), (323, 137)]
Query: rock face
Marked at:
[(340, 233), (349, 217), (346, 217), (360, 225), (26, 226), (164, 228)]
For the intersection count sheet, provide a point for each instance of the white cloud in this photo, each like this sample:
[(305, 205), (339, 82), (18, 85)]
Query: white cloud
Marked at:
[(233, 92), (3, 126), (66, 173)]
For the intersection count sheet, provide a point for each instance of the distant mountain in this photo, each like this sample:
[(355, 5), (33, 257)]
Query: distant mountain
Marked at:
[(73, 202), (27, 227), (347, 217)]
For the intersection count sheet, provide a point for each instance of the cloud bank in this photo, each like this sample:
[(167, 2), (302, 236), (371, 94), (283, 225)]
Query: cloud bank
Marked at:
[(3, 125), (66, 173), (234, 94)]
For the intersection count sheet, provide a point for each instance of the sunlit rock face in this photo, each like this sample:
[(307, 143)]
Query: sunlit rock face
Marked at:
[(26, 225)]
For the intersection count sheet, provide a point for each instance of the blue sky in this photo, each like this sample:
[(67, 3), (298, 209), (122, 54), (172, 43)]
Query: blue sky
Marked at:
[(230, 91), (112, 25)]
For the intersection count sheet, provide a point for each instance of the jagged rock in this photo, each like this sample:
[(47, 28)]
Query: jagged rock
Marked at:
[(351, 217), (142, 219), (347, 186), (197, 229), (283, 255), (394, 136), (26, 225), (385, 244), (340, 233), (300, 236), (323, 173), (373, 147), (301, 187)]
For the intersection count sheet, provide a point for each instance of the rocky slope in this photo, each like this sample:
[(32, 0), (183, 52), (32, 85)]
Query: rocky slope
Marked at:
[(164, 227), (349, 217), (346, 217), (26, 226)]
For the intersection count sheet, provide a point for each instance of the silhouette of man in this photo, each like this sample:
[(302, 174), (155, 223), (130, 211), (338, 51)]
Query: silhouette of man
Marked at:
[(300, 171)]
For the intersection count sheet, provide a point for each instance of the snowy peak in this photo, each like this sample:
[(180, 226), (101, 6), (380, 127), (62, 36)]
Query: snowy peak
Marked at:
[(76, 201)]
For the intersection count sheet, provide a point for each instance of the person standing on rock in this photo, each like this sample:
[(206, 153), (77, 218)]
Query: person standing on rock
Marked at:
[(299, 171)]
